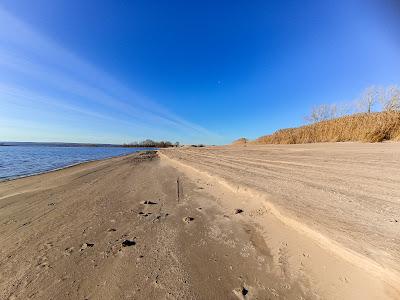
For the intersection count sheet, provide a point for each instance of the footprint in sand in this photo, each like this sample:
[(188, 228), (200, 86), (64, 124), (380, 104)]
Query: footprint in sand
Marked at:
[(128, 243), (157, 218), (145, 214), (148, 202), (188, 219), (160, 217), (86, 245), (241, 293), (11, 221), (43, 263), (45, 247), (283, 259), (238, 211), (48, 245), (68, 251)]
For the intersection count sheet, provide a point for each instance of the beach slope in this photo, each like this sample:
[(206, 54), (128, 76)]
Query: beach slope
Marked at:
[(152, 226), (344, 196)]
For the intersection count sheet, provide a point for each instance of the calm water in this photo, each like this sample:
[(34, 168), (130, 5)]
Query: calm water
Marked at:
[(16, 161)]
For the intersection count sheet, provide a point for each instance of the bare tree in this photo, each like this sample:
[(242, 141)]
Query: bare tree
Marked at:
[(322, 112), (344, 109), (391, 100), (369, 98)]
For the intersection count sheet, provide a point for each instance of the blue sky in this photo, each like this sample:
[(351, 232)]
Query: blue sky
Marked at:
[(188, 71)]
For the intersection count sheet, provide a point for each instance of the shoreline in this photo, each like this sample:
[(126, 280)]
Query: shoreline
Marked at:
[(68, 166)]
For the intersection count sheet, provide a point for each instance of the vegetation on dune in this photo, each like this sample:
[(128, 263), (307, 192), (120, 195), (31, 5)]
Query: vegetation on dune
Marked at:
[(366, 127), (356, 122), (240, 141)]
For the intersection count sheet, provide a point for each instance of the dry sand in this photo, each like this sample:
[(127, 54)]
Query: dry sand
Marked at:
[(343, 196), (269, 222)]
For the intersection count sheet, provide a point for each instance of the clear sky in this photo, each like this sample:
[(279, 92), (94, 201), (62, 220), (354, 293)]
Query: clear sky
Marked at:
[(188, 71)]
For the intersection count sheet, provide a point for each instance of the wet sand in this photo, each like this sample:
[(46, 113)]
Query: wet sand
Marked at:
[(117, 229)]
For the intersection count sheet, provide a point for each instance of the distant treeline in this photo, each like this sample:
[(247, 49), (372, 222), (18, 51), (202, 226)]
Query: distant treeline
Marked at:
[(151, 144)]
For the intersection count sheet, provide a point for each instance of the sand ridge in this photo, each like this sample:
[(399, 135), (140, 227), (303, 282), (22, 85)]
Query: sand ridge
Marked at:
[(287, 178)]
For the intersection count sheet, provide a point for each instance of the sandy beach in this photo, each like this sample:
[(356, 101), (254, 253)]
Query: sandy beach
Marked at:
[(258, 222)]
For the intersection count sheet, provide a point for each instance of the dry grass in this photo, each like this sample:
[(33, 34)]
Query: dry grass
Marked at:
[(240, 141), (373, 127)]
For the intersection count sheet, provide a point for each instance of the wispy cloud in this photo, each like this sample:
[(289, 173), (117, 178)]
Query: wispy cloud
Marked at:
[(35, 71)]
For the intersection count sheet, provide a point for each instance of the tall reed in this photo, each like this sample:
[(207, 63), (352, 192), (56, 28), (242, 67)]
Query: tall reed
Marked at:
[(365, 127)]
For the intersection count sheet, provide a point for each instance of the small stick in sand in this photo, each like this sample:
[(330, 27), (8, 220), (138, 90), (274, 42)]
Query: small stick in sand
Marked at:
[(177, 187)]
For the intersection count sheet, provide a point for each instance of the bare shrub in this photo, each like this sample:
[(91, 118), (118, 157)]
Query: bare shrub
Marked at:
[(369, 98), (391, 99), (322, 112)]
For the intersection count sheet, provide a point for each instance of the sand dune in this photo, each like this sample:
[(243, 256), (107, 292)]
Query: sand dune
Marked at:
[(366, 127)]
